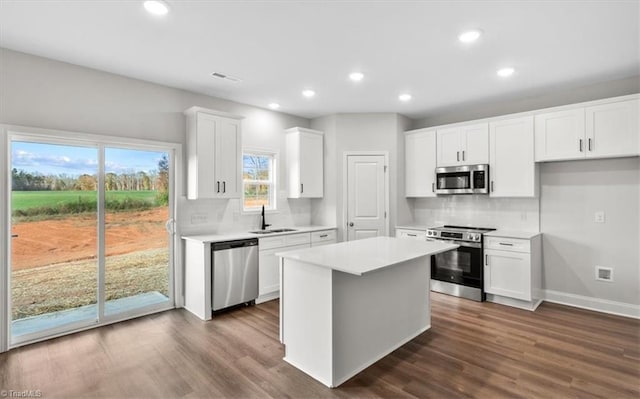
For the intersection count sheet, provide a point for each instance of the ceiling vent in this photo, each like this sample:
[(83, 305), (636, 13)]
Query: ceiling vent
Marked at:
[(226, 77)]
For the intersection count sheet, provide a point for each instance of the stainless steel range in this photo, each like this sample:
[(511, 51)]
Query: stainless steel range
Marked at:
[(459, 272)]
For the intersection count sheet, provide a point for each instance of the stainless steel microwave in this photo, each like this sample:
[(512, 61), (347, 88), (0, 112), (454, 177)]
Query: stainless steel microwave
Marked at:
[(471, 179)]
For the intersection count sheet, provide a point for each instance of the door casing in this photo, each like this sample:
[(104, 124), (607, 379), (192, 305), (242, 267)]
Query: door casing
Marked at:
[(345, 188), (12, 132)]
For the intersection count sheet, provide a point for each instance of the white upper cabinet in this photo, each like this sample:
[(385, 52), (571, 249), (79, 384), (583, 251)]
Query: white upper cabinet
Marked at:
[(463, 145), (600, 131), (612, 129), (420, 163), (560, 135), (305, 163), (512, 169), (213, 154)]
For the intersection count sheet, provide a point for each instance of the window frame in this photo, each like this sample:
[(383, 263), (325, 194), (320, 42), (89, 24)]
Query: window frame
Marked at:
[(273, 182)]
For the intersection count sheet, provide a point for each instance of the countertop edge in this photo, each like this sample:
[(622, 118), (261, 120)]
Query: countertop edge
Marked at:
[(210, 238), (524, 235)]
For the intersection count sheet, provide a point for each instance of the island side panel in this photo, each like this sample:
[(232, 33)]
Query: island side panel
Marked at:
[(378, 312), (306, 299), (197, 278)]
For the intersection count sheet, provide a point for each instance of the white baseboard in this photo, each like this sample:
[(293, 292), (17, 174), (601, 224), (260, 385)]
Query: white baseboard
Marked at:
[(516, 303), (591, 303), (268, 297)]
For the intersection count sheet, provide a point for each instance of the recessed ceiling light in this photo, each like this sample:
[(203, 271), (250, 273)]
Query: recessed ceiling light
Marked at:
[(505, 72), (469, 36), (274, 105), (404, 97), (356, 76), (308, 93), (156, 7)]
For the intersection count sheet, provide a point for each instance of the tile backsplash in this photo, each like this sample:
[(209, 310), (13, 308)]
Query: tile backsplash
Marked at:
[(521, 214), (216, 216)]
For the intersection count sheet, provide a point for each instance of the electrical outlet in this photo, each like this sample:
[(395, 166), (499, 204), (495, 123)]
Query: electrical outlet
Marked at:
[(598, 217), (199, 218)]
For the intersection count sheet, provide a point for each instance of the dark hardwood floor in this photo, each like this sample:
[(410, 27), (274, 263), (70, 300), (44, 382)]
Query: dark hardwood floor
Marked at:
[(481, 350)]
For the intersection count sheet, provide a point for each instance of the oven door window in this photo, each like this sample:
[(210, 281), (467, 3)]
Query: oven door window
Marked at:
[(456, 261), (459, 180), (460, 266)]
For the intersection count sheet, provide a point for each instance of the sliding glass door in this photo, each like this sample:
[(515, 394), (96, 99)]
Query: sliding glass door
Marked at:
[(54, 251), (136, 241), (91, 239)]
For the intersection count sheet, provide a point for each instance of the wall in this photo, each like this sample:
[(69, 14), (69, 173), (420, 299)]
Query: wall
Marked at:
[(358, 132), (521, 102), (324, 209), (573, 244), (521, 214), (40, 92)]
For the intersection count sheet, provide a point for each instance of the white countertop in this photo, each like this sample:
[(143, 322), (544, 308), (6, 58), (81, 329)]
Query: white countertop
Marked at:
[(525, 235), (413, 227), (363, 256), (210, 238)]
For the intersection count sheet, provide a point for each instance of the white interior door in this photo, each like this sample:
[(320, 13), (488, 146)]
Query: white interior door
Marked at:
[(366, 196)]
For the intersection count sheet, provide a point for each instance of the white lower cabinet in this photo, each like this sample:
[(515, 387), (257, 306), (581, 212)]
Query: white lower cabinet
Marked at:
[(269, 263), (411, 234), (512, 271), (324, 237)]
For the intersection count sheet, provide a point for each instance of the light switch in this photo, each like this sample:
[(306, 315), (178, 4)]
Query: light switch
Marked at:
[(598, 217)]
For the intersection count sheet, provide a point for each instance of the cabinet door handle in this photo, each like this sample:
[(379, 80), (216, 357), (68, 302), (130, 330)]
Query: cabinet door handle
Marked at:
[(301, 188), (224, 187), (463, 155), (324, 235), (486, 260), (458, 156), (433, 187), (507, 244), (491, 185), (580, 145), (218, 189), (412, 235), (589, 144)]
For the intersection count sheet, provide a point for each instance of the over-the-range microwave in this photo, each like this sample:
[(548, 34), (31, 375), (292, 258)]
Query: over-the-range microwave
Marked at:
[(470, 179)]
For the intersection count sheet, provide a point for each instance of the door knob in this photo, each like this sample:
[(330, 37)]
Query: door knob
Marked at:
[(350, 224)]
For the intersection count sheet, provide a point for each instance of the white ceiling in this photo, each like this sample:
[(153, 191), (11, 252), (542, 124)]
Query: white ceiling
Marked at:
[(279, 48)]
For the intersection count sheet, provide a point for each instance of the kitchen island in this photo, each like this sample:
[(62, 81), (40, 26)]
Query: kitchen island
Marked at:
[(344, 306)]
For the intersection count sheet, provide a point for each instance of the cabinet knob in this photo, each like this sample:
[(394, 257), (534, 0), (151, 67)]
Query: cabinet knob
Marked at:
[(350, 224)]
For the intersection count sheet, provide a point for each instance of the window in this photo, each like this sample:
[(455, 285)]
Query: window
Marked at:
[(258, 181)]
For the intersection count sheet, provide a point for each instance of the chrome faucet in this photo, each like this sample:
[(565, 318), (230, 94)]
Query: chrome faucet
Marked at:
[(264, 225)]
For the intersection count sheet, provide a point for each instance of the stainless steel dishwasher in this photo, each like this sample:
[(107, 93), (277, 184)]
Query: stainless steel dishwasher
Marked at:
[(235, 273)]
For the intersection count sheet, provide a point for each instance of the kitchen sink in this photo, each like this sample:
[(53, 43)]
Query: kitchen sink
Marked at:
[(271, 231)]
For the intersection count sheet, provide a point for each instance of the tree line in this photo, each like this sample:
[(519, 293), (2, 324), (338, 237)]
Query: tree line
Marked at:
[(156, 180)]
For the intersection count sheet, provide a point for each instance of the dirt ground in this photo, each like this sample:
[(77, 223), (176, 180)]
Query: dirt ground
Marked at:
[(42, 243)]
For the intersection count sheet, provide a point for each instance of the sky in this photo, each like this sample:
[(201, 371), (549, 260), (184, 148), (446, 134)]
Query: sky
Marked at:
[(54, 159)]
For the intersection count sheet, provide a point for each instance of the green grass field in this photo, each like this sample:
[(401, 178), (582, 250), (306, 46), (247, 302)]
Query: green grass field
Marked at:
[(23, 200)]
